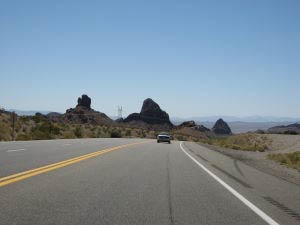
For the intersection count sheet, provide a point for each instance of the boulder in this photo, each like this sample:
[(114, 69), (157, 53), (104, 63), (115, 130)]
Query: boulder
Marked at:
[(221, 127)]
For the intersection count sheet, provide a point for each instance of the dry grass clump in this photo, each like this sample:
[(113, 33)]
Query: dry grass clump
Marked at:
[(245, 142), (291, 160), (5, 127)]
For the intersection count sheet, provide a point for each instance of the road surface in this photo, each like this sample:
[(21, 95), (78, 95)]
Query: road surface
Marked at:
[(136, 181)]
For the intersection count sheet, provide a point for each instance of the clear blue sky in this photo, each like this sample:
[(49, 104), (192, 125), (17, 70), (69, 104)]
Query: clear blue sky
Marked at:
[(195, 58)]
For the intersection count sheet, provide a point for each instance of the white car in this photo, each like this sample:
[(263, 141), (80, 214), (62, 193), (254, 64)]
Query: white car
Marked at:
[(164, 137)]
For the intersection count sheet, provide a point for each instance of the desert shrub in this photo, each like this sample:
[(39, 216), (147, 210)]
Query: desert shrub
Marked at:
[(194, 139), (247, 142), (142, 134), (64, 126), (151, 134), (115, 134), (68, 135), (5, 132), (78, 132), (39, 135), (23, 137), (17, 127), (55, 130), (260, 131), (45, 130), (92, 133), (128, 133), (105, 129), (180, 138), (24, 119), (291, 160), (99, 133), (290, 132), (38, 118), (49, 127), (207, 141)]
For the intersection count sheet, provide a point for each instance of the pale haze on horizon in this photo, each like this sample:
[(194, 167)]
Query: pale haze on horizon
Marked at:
[(194, 58)]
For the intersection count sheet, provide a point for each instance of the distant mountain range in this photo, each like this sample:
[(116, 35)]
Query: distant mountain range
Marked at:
[(243, 127), (241, 124), (27, 112), (248, 119)]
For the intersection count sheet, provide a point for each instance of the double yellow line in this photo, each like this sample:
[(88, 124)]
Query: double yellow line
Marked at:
[(30, 173)]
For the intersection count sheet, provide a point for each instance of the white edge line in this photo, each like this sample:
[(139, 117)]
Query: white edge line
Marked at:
[(16, 150), (255, 209)]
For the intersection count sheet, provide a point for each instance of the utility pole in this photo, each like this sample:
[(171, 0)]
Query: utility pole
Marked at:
[(13, 125)]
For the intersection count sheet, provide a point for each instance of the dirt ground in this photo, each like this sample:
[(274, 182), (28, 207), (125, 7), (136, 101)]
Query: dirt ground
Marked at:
[(278, 144), (284, 143)]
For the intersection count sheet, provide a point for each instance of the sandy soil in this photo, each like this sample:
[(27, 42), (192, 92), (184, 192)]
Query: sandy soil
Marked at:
[(259, 160), (284, 143)]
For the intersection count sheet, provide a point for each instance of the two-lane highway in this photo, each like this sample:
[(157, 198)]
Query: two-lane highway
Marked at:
[(136, 181)]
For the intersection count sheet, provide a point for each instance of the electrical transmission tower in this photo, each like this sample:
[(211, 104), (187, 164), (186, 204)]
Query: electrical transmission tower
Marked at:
[(120, 112)]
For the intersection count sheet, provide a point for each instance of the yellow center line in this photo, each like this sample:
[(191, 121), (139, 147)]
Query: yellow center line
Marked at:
[(30, 173)]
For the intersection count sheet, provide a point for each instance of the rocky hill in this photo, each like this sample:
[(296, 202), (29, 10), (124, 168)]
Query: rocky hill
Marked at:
[(221, 127), (190, 128), (289, 129), (151, 113), (190, 123), (193, 126), (83, 113)]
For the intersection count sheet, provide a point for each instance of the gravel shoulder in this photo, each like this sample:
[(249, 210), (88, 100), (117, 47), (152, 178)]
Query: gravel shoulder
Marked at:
[(259, 160)]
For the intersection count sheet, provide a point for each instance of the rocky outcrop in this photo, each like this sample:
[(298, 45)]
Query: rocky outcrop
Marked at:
[(190, 123), (119, 120), (193, 126), (151, 113), (221, 127), (54, 116), (83, 113), (289, 129), (201, 128), (84, 101)]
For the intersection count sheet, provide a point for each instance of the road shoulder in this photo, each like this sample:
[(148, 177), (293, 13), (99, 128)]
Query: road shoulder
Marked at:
[(259, 161)]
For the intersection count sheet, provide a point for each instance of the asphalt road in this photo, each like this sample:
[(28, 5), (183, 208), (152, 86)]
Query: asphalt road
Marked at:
[(145, 183)]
